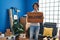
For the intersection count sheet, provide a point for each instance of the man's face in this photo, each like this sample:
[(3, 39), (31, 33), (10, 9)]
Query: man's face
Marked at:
[(35, 7)]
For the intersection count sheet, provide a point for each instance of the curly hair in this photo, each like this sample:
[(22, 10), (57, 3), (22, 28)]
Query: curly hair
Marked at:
[(35, 4)]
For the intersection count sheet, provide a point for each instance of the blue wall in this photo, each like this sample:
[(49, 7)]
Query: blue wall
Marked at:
[(23, 5), (29, 5), (4, 17)]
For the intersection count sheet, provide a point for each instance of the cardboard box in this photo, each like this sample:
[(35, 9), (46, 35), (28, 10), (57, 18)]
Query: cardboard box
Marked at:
[(4, 38), (35, 17)]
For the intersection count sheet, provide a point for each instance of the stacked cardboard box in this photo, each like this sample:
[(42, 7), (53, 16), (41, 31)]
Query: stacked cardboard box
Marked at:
[(4, 38), (8, 32)]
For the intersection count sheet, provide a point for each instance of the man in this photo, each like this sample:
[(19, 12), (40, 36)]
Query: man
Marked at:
[(34, 27)]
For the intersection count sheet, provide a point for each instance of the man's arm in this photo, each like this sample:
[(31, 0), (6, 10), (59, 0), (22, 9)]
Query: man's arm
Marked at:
[(27, 24)]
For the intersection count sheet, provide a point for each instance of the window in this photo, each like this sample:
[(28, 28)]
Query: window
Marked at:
[(51, 10)]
